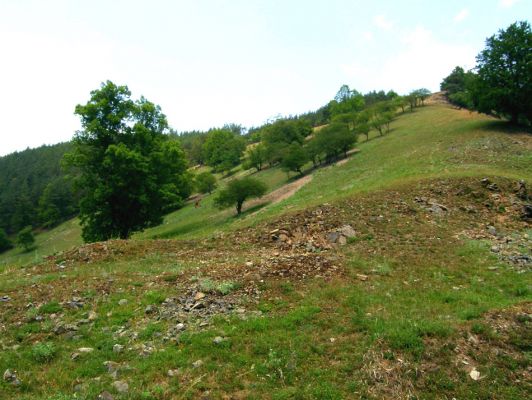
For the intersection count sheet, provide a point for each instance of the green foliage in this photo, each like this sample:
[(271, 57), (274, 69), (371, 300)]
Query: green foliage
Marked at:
[(52, 307), (205, 182), (222, 149), (504, 85), (238, 191), (352, 104), (256, 157), (57, 202), (192, 143), (223, 288), (43, 352), (455, 82), (331, 141), (294, 158), (5, 243), (282, 133), (25, 238), (132, 173), (286, 131), (154, 297)]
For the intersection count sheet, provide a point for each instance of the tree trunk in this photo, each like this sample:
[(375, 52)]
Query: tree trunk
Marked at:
[(239, 207)]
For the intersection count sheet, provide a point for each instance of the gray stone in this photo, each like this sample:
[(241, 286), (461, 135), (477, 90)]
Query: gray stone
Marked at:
[(118, 348), (173, 372), (180, 327), (333, 237), (121, 386), (105, 396), (122, 302), (347, 231), (4, 299), (9, 375), (527, 212), (85, 350), (197, 363), (492, 230), (150, 309), (218, 340)]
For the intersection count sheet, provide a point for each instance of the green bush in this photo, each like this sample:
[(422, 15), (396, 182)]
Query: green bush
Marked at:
[(43, 352)]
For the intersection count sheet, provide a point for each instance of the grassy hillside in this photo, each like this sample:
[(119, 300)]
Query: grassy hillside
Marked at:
[(434, 141), (428, 298)]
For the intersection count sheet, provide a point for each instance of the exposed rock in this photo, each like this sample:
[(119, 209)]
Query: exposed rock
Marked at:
[(493, 187), (333, 237), (105, 396), (173, 372), (85, 350), (92, 316), (75, 303), (527, 212), (492, 230), (198, 296), (474, 374), (61, 328), (150, 309), (118, 348), (218, 340), (5, 299), (122, 302), (362, 277), (347, 231), (522, 191), (197, 363), (113, 368), (11, 377), (121, 386)]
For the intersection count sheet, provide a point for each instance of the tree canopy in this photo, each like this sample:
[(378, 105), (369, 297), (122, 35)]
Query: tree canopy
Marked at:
[(205, 182), (222, 149), (239, 190), (132, 173), (504, 85), (25, 238)]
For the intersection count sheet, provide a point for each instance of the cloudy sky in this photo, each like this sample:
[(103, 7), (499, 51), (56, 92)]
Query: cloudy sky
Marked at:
[(209, 62)]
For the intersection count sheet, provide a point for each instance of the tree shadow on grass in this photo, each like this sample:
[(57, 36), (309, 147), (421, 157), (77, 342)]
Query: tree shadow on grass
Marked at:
[(505, 127), (251, 210)]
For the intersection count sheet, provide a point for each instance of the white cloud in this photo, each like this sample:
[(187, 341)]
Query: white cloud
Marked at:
[(508, 3), (367, 36), (421, 60), (463, 14), (382, 22)]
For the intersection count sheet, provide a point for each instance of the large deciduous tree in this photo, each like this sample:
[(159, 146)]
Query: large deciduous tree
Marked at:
[(222, 149), (130, 172), (504, 84)]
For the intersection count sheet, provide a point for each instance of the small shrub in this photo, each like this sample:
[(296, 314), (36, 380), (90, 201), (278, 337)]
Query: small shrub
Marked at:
[(52, 307), (154, 297), (223, 288), (43, 352), (150, 331)]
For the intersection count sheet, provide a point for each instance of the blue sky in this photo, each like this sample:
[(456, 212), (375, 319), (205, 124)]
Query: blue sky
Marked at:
[(208, 62)]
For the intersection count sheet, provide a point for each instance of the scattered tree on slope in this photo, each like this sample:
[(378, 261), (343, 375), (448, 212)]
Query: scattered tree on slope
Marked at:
[(130, 169), (238, 191)]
